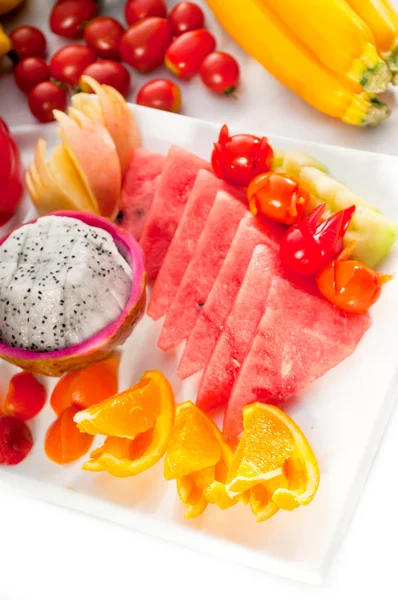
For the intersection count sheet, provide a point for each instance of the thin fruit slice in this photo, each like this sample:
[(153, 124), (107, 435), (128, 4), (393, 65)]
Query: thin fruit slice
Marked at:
[(139, 186), (175, 185), (15, 440), (239, 330), (211, 250), (210, 323), (25, 396), (138, 423), (299, 338), (183, 245), (275, 454), (198, 459), (64, 443), (86, 387)]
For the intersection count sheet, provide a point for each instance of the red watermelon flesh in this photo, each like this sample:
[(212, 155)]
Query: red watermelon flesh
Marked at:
[(209, 324), (174, 187), (299, 338), (186, 237), (202, 271), (139, 185), (235, 340)]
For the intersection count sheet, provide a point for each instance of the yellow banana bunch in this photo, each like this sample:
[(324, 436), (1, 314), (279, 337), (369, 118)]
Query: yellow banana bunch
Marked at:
[(8, 5), (262, 34), (340, 39), (382, 20), (5, 43)]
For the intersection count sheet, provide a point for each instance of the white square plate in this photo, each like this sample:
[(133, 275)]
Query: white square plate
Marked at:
[(343, 414)]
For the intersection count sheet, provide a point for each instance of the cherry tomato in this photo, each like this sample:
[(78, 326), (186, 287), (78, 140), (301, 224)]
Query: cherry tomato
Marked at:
[(15, 440), (144, 44), (135, 10), (25, 397), (220, 72), (69, 17), (312, 242), (28, 41), (44, 98), (279, 197), (11, 173), (30, 71), (186, 16), (186, 54), (104, 35), (349, 284), (160, 93), (239, 158), (69, 62), (109, 72)]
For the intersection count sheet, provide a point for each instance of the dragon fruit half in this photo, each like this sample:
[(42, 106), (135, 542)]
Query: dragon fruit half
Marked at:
[(72, 286)]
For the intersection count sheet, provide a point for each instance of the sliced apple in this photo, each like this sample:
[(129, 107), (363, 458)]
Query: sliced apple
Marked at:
[(93, 153)]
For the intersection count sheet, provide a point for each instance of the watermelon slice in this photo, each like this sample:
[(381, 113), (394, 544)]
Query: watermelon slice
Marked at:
[(202, 271), (249, 306), (209, 324), (174, 187), (138, 190), (299, 338), (185, 239)]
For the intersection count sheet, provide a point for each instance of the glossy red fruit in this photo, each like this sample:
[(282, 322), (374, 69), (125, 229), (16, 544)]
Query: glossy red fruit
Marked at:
[(68, 18), (25, 397), (28, 41), (220, 73), (186, 54), (15, 440), (44, 98), (103, 35), (11, 174), (186, 16), (109, 72), (135, 10), (30, 71), (69, 62), (144, 45), (162, 94)]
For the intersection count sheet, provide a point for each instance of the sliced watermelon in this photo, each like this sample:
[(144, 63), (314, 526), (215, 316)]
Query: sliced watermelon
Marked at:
[(138, 190), (249, 306), (210, 322), (175, 185), (185, 239), (202, 271), (299, 338)]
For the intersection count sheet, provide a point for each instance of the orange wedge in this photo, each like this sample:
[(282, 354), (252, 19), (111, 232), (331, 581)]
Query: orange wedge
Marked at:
[(273, 461), (138, 423)]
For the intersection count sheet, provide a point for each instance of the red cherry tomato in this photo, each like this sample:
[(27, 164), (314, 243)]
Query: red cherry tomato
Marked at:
[(349, 284), (15, 440), (11, 189), (69, 62), (279, 197), (44, 98), (104, 35), (28, 41), (135, 10), (186, 16), (187, 53), (239, 158), (160, 93), (25, 397), (109, 72), (312, 242), (220, 72), (30, 71), (144, 45), (69, 17)]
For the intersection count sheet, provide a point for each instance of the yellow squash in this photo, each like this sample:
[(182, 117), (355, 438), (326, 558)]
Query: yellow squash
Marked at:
[(262, 35)]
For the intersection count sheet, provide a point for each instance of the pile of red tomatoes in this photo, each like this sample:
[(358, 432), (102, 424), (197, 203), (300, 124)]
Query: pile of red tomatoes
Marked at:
[(153, 37)]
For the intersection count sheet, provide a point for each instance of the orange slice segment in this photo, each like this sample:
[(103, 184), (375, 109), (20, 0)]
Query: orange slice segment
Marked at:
[(64, 443)]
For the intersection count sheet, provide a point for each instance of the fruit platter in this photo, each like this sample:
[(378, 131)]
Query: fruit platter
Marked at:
[(194, 345)]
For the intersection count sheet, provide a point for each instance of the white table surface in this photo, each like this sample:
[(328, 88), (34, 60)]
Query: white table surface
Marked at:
[(49, 552)]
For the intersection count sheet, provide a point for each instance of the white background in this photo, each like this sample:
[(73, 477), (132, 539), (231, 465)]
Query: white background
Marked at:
[(47, 552)]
